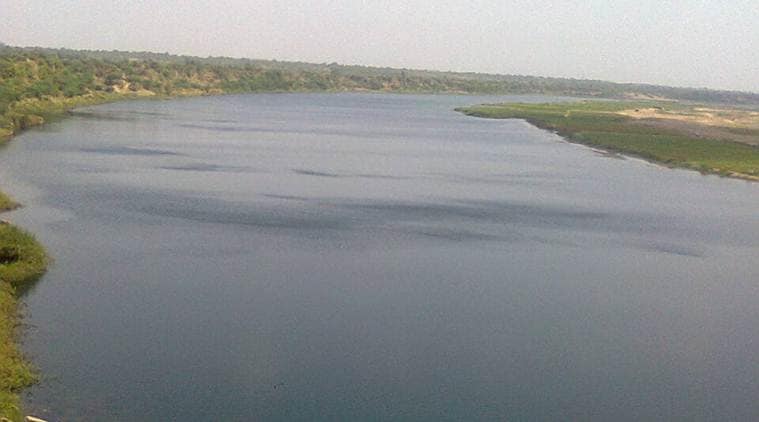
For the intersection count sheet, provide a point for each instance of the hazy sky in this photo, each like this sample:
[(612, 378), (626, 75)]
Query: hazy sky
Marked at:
[(684, 42)]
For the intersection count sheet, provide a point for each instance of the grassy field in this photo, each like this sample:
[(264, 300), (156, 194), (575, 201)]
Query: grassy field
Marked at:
[(22, 260), (664, 135)]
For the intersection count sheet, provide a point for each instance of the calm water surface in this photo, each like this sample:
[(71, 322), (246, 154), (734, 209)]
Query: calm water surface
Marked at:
[(376, 257)]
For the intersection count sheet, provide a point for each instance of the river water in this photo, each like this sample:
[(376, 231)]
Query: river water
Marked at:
[(376, 257)]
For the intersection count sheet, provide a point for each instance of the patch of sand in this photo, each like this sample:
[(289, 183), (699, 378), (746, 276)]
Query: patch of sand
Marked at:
[(728, 118)]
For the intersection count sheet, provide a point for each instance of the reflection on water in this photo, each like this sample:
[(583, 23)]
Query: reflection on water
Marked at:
[(380, 257)]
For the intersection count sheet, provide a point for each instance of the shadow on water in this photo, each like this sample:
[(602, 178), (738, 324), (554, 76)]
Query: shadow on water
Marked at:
[(346, 131), (445, 220), (305, 172), (287, 197), (315, 173), (102, 116), (117, 115), (29, 287), (129, 151), (212, 168)]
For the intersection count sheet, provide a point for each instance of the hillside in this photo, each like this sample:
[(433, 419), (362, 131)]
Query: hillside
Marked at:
[(37, 82)]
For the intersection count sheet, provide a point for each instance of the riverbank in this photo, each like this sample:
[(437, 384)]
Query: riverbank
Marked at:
[(24, 114), (613, 126), (22, 260)]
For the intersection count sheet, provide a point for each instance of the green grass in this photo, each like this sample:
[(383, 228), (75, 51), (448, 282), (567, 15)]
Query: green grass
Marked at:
[(6, 203), (594, 123), (15, 371), (22, 260)]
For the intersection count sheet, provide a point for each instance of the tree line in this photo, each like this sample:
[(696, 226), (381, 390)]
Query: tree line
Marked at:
[(40, 73)]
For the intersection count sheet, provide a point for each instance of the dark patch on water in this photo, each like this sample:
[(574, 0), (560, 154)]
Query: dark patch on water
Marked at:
[(220, 121), (117, 115), (145, 113), (486, 211), (129, 151), (315, 173), (286, 197), (218, 128), (93, 170), (461, 235), (209, 210), (669, 248), (261, 218), (104, 116), (534, 178), (379, 176), (345, 131), (204, 167), (306, 172)]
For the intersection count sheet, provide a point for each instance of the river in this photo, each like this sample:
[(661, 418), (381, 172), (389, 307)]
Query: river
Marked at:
[(376, 257)]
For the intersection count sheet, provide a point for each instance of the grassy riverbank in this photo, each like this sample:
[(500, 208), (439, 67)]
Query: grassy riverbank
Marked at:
[(29, 112), (668, 133), (22, 260)]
